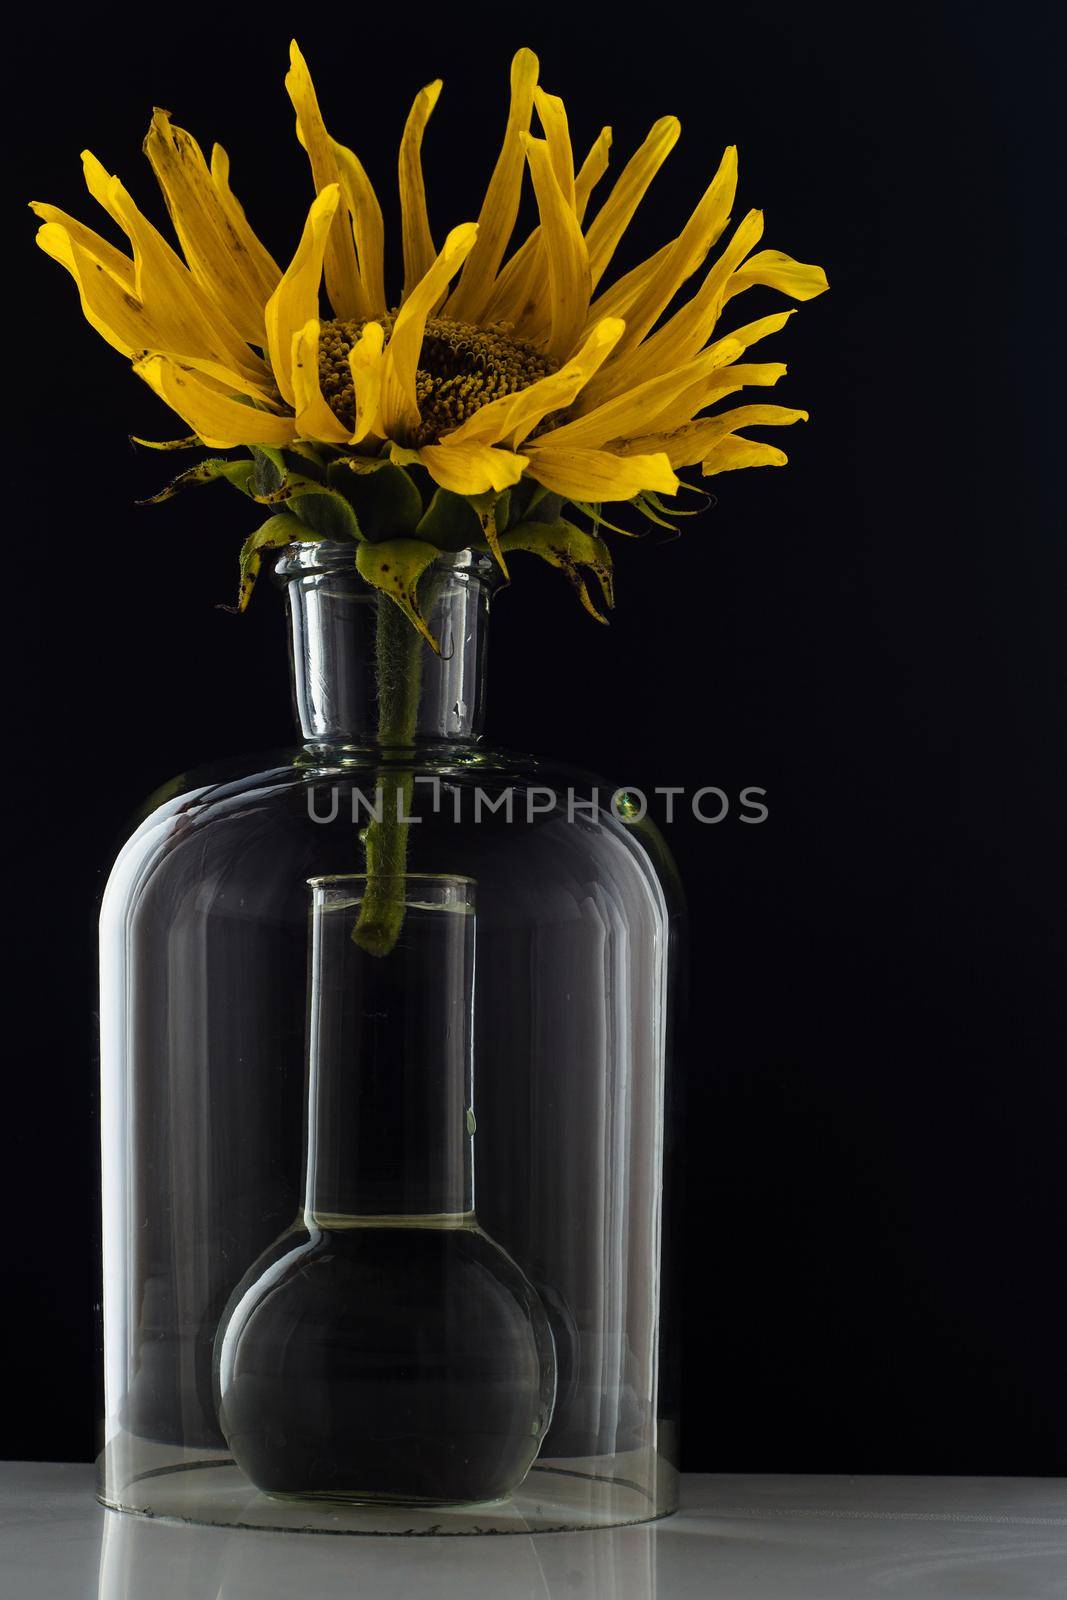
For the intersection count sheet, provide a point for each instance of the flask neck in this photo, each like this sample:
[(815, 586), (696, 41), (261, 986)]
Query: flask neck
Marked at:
[(390, 1119), (356, 659)]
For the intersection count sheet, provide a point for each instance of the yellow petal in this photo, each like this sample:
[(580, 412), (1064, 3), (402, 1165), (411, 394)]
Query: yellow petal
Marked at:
[(343, 282), (615, 214), (691, 327), (471, 468), (106, 305), (616, 301), (211, 245), (566, 257), (753, 332), (592, 170), (366, 365), (113, 261), (261, 264), (743, 416), (367, 226), (399, 404), (296, 299), (415, 225), (696, 441), (187, 320), (705, 382), (731, 453), (553, 116), (630, 414), (501, 204), (597, 475), (697, 397), (98, 182), (118, 316), (314, 418), (688, 251), (774, 270), (509, 419), (220, 422), (756, 417), (520, 293), (515, 297)]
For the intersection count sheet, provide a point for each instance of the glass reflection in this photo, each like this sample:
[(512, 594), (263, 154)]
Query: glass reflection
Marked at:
[(141, 1557)]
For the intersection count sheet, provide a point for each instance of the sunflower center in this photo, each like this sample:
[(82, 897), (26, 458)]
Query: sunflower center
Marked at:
[(461, 368)]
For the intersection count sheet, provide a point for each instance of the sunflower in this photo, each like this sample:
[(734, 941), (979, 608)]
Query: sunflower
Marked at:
[(504, 387)]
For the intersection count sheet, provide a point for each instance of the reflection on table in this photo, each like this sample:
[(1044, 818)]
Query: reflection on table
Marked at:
[(141, 1557)]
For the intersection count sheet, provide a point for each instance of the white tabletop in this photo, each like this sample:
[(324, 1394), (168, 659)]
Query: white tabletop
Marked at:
[(736, 1538)]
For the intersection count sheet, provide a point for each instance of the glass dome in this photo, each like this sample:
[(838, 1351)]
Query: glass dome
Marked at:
[(387, 1229)]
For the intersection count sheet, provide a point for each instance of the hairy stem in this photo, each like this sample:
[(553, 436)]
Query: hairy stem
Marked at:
[(399, 671)]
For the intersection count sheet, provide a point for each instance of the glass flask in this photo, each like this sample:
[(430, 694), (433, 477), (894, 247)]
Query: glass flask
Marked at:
[(387, 1111), (384, 1347)]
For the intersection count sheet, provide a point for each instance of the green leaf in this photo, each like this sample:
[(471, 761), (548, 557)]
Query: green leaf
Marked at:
[(571, 549), (386, 501), (239, 473), (327, 513), (395, 567), (274, 534)]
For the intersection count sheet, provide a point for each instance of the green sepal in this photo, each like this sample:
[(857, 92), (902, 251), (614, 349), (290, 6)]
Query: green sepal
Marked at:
[(303, 456), (326, 512), (651, 513), (532, 502), (395, 566), (594, 512), (485, 507), (270, 469), (386, 501), (190, 443), (361, 465), (291, 484), (655, 500), (570, 549), (502, 510), (239, 473), (450, 522), (651, 507), (274, 534), (274, 466), (545, 506), (462, 521)]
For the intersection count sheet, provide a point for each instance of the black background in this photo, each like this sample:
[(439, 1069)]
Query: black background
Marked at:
[(874, 1210)]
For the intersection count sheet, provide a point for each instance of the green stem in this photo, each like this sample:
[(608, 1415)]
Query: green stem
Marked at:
[(399, 672)]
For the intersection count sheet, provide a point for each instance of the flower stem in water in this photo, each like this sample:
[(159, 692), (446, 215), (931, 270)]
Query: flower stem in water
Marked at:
[(399, 670)]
